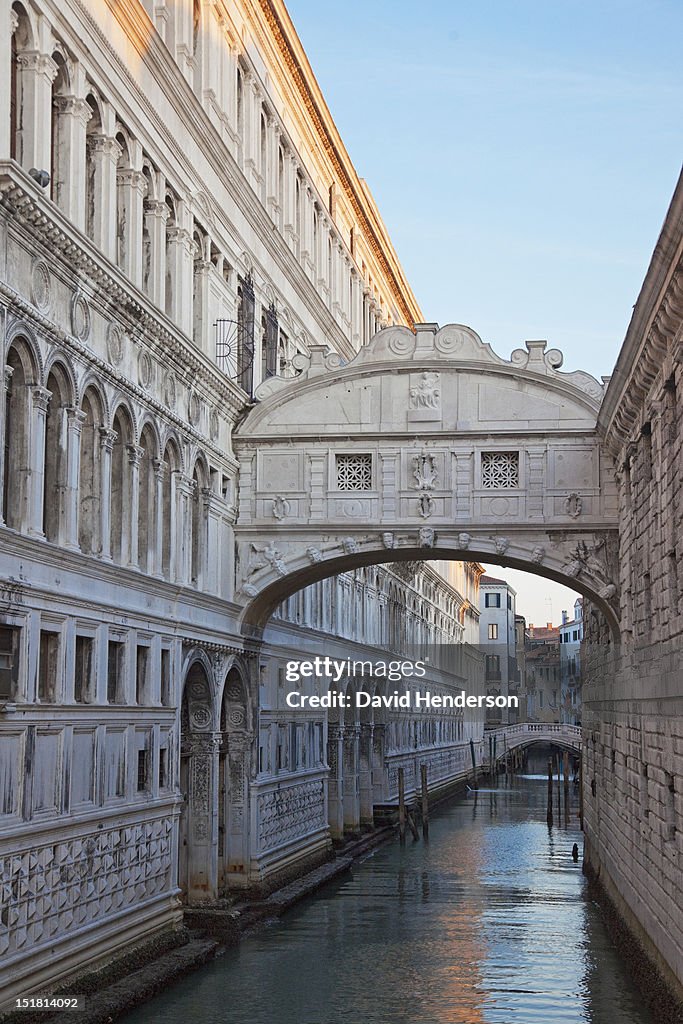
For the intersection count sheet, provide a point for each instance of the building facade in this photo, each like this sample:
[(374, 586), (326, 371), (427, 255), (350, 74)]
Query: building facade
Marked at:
[(571, 637), (179, 222), (498, 642)]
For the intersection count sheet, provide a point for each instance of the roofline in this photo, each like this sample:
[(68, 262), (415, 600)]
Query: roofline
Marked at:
[(356, 190), (659, 273)]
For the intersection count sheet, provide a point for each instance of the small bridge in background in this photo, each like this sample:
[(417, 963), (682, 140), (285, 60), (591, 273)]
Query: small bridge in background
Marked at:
[(512, 737)]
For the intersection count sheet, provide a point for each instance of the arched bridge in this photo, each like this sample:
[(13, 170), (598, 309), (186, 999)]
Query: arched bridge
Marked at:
[(426, 445), (511, 737)]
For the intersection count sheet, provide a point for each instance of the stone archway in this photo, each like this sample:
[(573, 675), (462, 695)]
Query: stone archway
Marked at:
[(233, 784), (425, 446), (198, 772)]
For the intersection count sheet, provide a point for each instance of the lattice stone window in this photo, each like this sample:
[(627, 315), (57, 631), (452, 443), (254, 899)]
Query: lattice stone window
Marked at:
[(500, 469), (354, 472)]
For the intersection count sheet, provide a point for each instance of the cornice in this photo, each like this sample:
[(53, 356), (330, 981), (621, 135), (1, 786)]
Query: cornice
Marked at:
[(181, 174), (293, 56), (654, 326)]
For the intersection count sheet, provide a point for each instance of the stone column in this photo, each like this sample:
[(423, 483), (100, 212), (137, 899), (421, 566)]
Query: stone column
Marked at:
[(273, 139), (159, 475), (156, 215), (36, 72), (4, 398), (107, 440), (237, 851), (290, 204), (9, 21), (380, 775), (40, 400), (202, 832), (185, 490), (356, 309), (335, 791), (213, 515), (201, 332), (318, 464), (68, 193), (130, 524), (74, 424), (351, 793), (365, 774), (103, 154), (131, 187)]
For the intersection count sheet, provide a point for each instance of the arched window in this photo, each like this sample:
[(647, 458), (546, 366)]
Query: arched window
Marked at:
[(171, 227), (240, 106), (147, 255), (122, 184), (197, 539), (20, 120), (199, 297), (298, 218), (146, 501), (330, 268), (17, 436), (281, 185), (120, 487), (264, 158), (90, 475), (59, 153), (170, 466), (92, 140), (56, 447)]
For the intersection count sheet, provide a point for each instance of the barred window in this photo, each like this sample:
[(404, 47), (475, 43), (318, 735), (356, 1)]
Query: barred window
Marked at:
[(500, 469), (354, 472)]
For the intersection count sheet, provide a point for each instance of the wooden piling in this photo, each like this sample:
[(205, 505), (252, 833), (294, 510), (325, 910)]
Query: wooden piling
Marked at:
[(401, 806), (412, 825), (565, 769), (581, 793), (474, 766), (425, 801), (550, 793)]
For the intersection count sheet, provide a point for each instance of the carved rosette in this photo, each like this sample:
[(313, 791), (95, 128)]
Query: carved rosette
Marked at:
[(40, 285), (80, 317), (115, 341)]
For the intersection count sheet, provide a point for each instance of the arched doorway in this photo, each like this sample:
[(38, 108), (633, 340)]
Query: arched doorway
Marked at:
[(233, 779), (198, 773)]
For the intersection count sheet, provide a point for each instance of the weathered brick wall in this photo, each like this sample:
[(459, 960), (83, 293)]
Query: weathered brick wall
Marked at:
[(633, 699)]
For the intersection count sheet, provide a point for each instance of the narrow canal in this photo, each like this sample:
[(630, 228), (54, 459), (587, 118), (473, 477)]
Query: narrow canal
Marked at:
[(489, 921)]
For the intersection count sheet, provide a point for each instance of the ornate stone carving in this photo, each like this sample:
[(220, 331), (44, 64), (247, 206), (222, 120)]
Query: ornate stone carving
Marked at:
[(427, 537), (501, 545), (424, 472), (350, 545), (314, 554), (390, 541), (538, 554), (194, 408), (287, 813), (40, 284), (169, 390), (145, 369), (80, 317), (425, 393), (115, 338), (573, 505), (281, 507), (464, 540), (265, 556), (214, 425), (425, 505)]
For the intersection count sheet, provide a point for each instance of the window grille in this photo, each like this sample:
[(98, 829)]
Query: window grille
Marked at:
[(499, 470), (354, 472)]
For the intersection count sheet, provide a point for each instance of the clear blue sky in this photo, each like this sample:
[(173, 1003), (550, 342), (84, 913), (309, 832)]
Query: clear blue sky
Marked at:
[(522, 153)]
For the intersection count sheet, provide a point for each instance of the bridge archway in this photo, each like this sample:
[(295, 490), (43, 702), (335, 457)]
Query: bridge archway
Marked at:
[(427, 445)]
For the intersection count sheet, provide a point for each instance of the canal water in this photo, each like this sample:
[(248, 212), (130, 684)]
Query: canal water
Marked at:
[(490, 921)]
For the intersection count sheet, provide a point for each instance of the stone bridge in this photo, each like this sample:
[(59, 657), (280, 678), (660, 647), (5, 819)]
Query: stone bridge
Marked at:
[(511, 737), (427, 445)]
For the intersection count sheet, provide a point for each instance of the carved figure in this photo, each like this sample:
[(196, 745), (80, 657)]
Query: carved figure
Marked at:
[(426, 393), (424, 471), (427, 537)]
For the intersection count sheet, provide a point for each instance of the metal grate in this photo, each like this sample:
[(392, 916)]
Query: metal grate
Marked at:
[(500, 470), (354, 472), (235, 351)]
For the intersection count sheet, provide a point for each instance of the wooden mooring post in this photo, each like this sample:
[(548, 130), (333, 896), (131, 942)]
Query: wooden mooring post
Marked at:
[(581, 793), (401, 806), (550, 792), (474, 766), (425, 801), (565, 769)]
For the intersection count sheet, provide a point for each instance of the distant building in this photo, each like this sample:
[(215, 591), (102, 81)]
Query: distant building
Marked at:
[(497, 638), (543, 675), (520, 657), (571, 635)]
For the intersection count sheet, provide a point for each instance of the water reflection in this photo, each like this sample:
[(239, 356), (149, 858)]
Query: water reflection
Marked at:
[(488, 922)]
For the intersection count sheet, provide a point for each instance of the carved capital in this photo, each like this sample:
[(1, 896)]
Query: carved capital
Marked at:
[(135, 453), (41, 398), (108, 438)]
